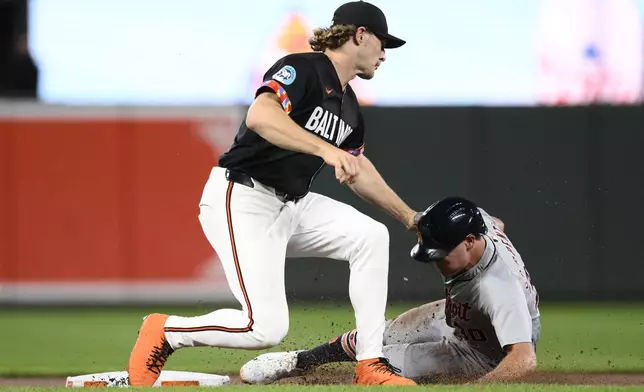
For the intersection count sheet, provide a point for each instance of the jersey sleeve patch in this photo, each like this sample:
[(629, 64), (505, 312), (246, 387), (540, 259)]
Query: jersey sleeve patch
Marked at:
[(281, 94), (285, 75), (356, 151)]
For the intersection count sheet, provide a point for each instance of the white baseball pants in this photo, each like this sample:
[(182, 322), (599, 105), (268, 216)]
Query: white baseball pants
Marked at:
[(253, 232), (425, 349)]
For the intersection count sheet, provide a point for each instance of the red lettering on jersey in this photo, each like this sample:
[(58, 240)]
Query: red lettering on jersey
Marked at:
[(508, 245)]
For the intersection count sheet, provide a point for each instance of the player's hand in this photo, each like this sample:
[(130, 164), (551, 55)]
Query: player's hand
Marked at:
[(347, 167), (412, 220)]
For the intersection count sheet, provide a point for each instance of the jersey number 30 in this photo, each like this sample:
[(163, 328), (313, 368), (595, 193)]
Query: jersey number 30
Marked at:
[(473, 334)]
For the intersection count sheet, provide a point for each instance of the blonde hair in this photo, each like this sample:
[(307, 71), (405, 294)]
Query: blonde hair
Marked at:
[(331, 37)]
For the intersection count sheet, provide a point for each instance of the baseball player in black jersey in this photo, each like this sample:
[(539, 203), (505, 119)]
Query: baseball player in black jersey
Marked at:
[(256, 208)]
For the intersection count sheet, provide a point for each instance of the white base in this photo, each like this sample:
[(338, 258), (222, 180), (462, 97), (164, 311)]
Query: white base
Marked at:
[(167, 378)]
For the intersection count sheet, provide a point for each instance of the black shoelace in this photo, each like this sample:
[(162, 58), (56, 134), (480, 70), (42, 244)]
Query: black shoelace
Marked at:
[(158, 357), (383, 365)]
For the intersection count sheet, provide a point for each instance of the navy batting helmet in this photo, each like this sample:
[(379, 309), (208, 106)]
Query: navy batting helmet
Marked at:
[(444, 225)]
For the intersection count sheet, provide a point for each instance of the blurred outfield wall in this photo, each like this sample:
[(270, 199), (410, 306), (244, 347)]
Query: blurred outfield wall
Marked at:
[(100, 204)]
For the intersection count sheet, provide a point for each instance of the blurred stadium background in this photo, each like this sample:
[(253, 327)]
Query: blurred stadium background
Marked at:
[(113, 112)]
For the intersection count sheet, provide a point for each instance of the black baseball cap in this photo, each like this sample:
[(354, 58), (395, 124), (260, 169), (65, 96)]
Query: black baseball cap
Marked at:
[(363, 14)]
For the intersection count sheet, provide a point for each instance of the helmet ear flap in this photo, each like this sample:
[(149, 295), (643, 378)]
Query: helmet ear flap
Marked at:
[(426, 255), (444, 225), (418, 253), (426, 250)]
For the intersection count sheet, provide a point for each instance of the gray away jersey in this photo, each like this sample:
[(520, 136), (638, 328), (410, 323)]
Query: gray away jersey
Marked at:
[(494, 304)]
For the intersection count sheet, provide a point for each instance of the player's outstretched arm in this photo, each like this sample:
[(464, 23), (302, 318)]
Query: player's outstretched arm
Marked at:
[(520, 361), (370, 186), (502, 298)]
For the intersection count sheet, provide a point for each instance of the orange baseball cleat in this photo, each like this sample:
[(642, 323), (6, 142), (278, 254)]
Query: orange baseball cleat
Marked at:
[(150, 351), (379, 371)]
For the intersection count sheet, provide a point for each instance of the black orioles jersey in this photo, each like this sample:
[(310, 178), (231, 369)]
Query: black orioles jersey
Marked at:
[(310, 92)]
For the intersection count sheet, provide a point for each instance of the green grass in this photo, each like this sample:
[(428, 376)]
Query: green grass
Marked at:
[(71, 341), (606, 337)]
